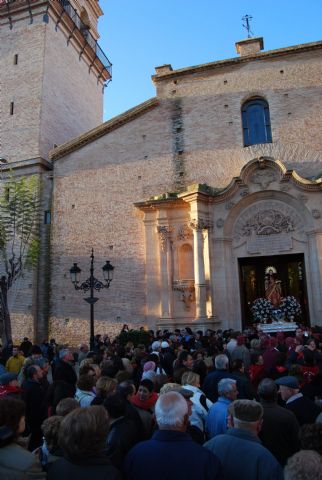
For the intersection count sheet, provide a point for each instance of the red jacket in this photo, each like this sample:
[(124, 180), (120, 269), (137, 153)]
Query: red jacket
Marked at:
[(9, 391)]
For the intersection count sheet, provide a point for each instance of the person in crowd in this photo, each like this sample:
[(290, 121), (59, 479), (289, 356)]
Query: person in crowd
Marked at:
[(167, 358), (304, 465), (9, 386), (280, 429), (304, 409), (210, 386), (127, 391), (85, 390), (50, 451), (232, 343), (15, 362), (149, 371), (82, 439), (65, 406), (122, 435), (82, 352), (16, 463), (144, 401), (216, 421), (241, 352), (25, 346), (271, 357), (311, 437), (184, 363), (34, 397), (105, 386), (159, 458), (244, 386), (200, 403), (64, 370), (241, 442)]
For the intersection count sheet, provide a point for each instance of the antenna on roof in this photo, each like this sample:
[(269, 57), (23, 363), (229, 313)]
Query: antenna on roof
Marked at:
[(246, 24)]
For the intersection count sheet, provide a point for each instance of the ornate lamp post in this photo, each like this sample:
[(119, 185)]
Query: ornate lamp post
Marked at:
[(90, 285)]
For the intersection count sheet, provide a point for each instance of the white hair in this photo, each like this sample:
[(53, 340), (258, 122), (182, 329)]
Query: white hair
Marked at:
[(221, 362), (303, 465), (225, 386), (170, 410)]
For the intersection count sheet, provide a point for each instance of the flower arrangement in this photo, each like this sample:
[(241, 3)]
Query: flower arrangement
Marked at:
[(291, 307), (261, 310)]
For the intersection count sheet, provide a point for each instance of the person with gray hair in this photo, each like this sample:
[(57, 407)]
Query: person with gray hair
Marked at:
[(304, 465), (159, 458), (280, 429), (64, 370), (210, 386), (216, 421), (241, 442)]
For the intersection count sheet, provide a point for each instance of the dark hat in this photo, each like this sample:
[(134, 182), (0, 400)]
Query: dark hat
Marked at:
[(6, 378), (288, 381)]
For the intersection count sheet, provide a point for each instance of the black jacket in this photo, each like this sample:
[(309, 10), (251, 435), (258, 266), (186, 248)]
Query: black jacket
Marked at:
[(65, 372), (34, 397), (121, 438), (98, 468), (304, 409), (279, 433)]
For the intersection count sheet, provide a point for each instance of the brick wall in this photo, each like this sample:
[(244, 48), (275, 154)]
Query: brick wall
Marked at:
[(193, 136)]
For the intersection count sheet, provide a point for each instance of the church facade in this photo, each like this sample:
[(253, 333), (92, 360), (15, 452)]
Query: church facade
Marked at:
[(194, 195)]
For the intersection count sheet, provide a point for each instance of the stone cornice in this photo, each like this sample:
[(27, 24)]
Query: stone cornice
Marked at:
[(306, 47), (26, 164), (103, 129)]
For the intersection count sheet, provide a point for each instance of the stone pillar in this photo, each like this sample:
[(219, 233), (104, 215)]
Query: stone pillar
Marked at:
[(199, 267), (165, 263)]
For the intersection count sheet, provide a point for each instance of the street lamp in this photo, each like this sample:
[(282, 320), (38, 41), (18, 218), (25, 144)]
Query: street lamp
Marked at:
[(90, 285)]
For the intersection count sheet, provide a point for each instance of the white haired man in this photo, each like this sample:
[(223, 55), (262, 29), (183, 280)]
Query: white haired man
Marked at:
[(64, 370), (240, 451), (210, 386), (171, 453), (216, 421)]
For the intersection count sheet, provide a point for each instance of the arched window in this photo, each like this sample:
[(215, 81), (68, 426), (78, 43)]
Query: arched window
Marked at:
[(256, 122)]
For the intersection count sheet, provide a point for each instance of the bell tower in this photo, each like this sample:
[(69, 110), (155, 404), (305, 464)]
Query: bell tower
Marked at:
[(52, 78)]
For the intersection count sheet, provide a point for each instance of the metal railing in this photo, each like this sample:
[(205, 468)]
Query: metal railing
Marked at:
[(70, 10)]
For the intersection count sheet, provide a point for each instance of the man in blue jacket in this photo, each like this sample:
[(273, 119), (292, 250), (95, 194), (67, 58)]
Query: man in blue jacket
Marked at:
[(171, 453), (240, 451)]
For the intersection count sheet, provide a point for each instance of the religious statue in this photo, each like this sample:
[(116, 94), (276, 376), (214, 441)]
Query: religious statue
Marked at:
[(273, 289)]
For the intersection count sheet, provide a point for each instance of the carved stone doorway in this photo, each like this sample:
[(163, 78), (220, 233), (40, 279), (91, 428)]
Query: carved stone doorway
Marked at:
[(290, 270)]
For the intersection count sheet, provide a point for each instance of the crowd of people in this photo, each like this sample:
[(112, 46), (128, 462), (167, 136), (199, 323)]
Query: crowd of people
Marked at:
[(193, 405)]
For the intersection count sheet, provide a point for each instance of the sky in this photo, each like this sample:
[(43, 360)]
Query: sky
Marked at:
[(139, 35)]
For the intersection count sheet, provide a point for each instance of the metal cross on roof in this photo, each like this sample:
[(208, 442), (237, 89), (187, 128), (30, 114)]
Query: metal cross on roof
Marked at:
[(246, 24)]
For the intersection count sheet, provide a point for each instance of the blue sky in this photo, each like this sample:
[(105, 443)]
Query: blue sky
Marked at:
[(140, 35)]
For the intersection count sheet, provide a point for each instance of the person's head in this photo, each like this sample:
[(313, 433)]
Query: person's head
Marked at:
[(87, 369), (43, 363), (145, 389), (246, 415), (12, 417), (66, 355), (255, 344), (15, 351), (227, 388), (156, 346), (83, 433), (190, 378), (311, 345), (9, 379), (185, 359), (105, 386), (267, 390), (257, 359), (303, 465), (221, 362), (50, 429), (115, 406), (171, 412), (237, 366), (86, 383), (65, 406), (126, 389), (311, 437), (83, 348), (35, 352), (34, 373), (288, 386)]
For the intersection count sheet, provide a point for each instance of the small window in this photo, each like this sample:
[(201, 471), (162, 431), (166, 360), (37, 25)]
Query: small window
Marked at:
[(256, 122), (47, 217), (15, 59), (12, 108)]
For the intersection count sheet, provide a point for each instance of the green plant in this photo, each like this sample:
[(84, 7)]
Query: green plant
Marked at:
[(134, 336)]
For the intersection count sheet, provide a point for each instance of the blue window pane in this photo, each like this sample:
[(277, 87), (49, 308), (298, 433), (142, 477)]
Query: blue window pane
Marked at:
[(256, 122)]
